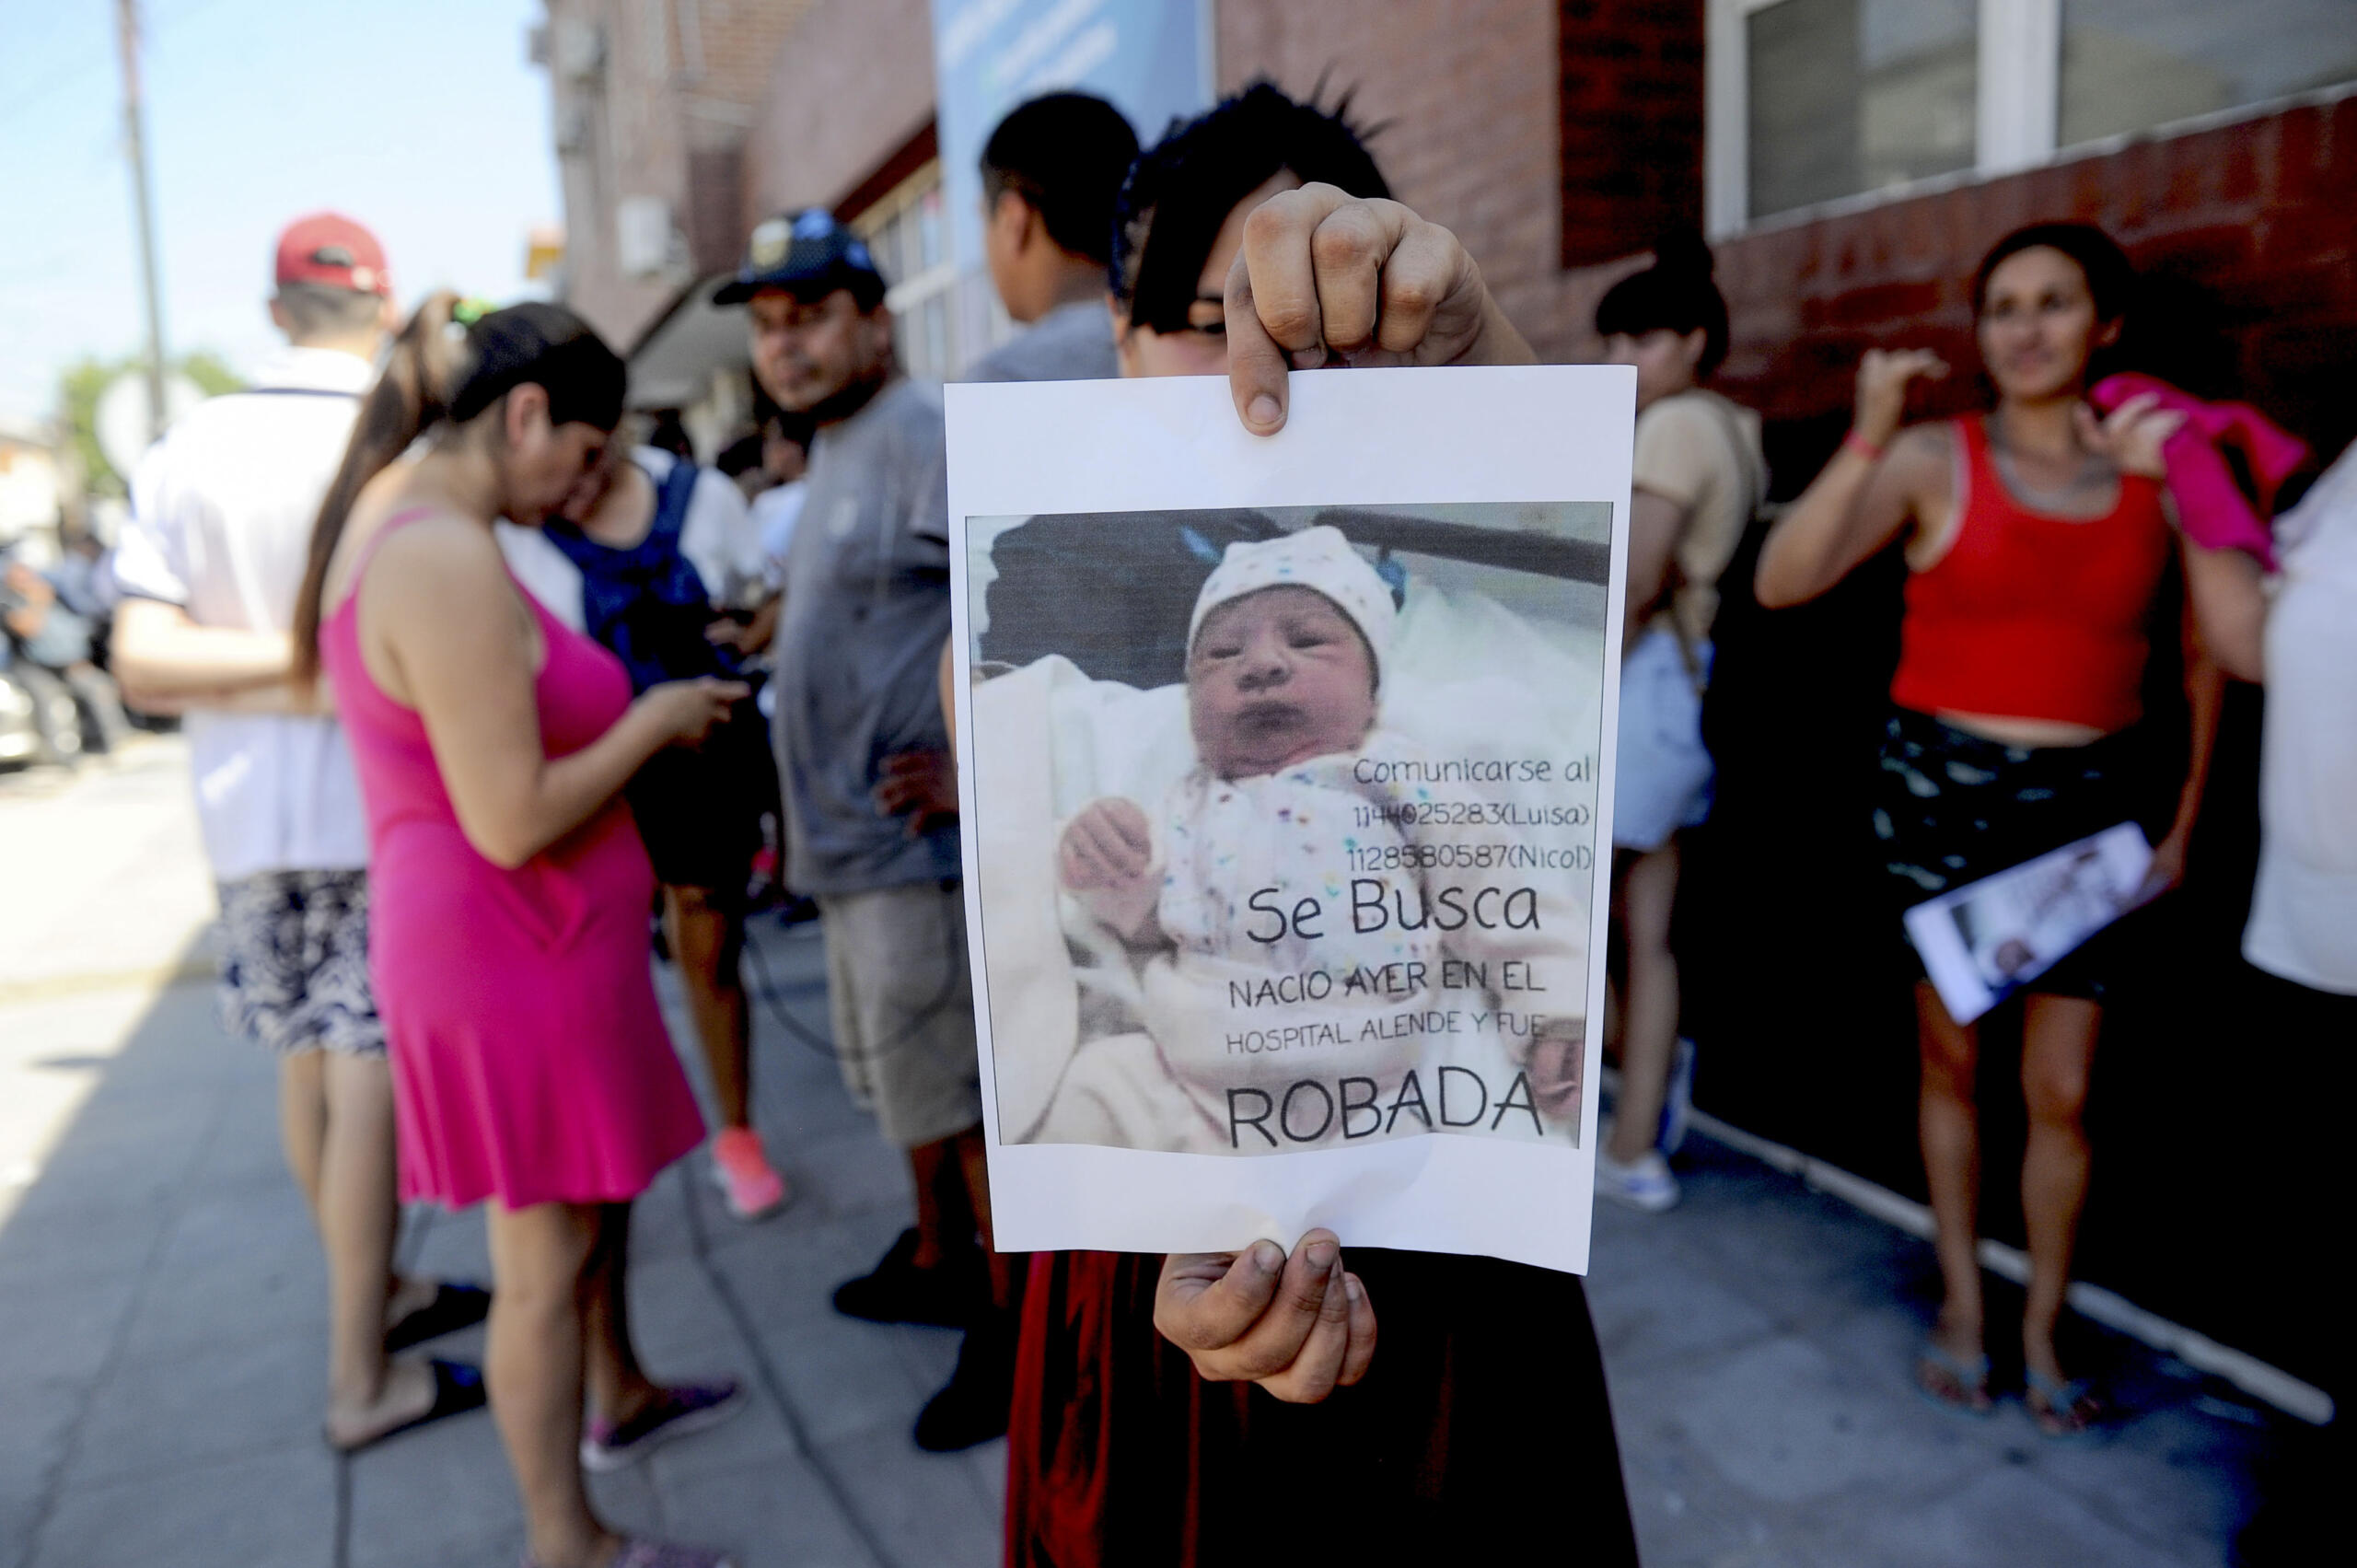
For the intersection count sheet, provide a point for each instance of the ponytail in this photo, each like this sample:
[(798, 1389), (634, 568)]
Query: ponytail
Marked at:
[(437, 376), (410, 398)]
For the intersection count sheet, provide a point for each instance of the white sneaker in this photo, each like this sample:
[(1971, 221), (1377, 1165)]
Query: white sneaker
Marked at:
[(1643, 1183)]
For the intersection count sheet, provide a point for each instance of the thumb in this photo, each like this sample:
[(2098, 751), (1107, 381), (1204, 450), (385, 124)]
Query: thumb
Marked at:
[(1215, 1314), (1257, 368)]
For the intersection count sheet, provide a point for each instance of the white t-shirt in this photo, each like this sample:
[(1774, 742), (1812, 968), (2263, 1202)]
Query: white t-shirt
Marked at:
[(719, 539), (775, 511), (221, 516), (2303, 909)]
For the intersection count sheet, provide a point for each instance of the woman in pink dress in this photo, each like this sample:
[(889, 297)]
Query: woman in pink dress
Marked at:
[(508, 888)]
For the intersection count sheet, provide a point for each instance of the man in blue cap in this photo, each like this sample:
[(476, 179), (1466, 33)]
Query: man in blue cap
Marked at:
[(871, 801)]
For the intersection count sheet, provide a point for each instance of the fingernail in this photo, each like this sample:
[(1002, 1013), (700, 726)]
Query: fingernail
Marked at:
[(1308, 358), (1324, 1255), (1266, 1256), (1263, 410), (1352, 1288)]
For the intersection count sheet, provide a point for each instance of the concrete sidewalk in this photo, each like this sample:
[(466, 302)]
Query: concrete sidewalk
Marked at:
[(162, 1346)]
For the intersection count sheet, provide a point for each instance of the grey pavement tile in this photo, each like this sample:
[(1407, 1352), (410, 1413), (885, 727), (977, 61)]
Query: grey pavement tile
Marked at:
[(2169, 1475), (682, 1328), (844, 1378), (1781, 1423), (924, 1509), (447, 1245), (1657, 1308), (2011, 1516), (57, 1327), (987, 1462), (70, 1236), (774, 1513), (167, 1411), (36, 1423), (263, 1510), (441, 1494), (231, 1300), (788, 1280)]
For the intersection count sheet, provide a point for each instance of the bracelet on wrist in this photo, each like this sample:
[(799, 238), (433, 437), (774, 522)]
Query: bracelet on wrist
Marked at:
[(1868, 449)]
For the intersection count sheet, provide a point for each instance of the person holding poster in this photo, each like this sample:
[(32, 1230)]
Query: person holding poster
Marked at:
[(1253, 239), (2039, 550)]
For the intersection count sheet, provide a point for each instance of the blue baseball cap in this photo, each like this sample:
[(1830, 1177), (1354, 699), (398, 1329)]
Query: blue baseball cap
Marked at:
[(806, 253)]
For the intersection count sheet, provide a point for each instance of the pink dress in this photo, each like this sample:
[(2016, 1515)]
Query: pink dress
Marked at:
[(529, 1060)]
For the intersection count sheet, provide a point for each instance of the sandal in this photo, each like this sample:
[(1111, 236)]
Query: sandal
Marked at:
[(458, 1388), (2064, 1412), (1953, 1383), (454, 1306)]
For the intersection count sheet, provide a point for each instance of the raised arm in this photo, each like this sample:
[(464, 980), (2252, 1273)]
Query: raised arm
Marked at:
[(459, 640), (1871, 490)]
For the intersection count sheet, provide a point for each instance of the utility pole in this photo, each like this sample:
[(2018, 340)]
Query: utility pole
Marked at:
[(134, 147)]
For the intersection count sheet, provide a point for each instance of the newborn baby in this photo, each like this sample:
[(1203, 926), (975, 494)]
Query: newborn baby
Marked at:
[(1266, 854)]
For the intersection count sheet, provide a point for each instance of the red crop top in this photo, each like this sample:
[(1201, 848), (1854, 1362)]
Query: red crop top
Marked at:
[(2033, 616)]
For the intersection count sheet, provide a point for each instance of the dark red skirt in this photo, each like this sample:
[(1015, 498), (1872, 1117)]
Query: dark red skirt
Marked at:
[(1479, 1434)]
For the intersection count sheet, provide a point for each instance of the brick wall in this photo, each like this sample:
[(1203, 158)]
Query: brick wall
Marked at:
[(1466, 92), (625, 143), (1630, 111), (665, 115), (851, 84), (2244, 234)]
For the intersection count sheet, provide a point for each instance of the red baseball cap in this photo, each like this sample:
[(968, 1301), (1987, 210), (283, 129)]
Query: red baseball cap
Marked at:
[(330, 249)]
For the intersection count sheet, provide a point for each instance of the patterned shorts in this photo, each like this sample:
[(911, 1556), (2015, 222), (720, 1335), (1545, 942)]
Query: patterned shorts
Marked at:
[(295, 962)]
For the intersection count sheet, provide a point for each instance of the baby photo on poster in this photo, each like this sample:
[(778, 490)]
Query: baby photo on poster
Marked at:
[(1288, 836)]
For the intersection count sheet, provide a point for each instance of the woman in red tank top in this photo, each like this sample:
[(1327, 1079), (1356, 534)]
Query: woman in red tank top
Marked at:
[(2038, 546)]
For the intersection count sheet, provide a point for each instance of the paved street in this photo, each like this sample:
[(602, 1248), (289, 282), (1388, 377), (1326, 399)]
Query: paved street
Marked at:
[(161, 1343)]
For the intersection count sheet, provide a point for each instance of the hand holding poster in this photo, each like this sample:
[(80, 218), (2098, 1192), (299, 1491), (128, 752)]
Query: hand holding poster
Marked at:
[(1286, 768)]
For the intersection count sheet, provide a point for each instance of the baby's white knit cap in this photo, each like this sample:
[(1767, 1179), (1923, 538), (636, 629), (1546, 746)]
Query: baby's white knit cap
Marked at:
[(1318, 558)]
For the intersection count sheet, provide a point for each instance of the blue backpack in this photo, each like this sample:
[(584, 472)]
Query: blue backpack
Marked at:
[(646, 602)]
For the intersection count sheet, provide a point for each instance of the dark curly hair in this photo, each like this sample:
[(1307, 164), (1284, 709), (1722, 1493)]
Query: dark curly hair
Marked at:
[(1181, 190)]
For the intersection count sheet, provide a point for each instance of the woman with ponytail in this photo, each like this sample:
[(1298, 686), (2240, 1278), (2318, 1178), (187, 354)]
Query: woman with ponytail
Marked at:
[(508, 937), (1697, 478)]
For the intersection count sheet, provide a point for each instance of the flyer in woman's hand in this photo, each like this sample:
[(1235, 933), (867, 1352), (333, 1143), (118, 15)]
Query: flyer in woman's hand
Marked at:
[(1286, 770)]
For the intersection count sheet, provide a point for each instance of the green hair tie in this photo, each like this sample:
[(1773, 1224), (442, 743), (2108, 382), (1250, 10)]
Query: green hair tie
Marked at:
[(467, 312)]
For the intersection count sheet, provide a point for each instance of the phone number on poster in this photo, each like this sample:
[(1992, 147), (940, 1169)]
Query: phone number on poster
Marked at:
[(1474, 814), (1470, 857)]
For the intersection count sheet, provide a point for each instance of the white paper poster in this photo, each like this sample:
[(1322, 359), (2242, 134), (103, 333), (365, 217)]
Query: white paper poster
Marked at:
[(1984, 941), (1286, 774)]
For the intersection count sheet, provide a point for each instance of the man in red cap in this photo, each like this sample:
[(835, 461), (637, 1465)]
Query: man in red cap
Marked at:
[(211, 564)]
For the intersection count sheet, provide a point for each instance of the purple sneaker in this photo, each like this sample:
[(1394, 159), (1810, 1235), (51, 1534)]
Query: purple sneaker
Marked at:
[(691, 1407), (637, 1553)]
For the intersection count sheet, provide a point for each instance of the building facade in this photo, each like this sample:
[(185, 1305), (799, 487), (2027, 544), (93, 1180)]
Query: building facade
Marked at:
[(1850, 160)]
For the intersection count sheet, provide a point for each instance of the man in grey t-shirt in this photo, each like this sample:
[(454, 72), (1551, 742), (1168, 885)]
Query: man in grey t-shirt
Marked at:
[(871, 801), (1051, 173)]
